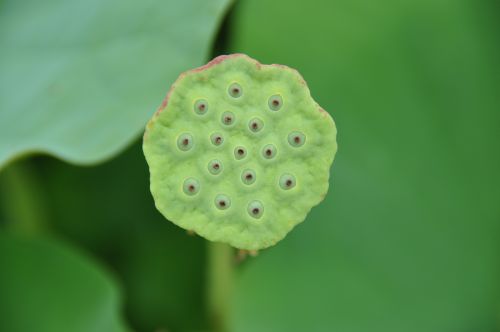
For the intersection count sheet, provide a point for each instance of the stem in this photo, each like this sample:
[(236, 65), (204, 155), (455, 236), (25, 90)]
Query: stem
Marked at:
[(219, 284), (22, 199)]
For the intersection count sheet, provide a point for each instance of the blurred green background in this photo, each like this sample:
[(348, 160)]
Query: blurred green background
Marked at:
[(407, 239)]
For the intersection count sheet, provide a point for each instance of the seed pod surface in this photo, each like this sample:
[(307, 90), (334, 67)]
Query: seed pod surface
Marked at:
[(239, 152)]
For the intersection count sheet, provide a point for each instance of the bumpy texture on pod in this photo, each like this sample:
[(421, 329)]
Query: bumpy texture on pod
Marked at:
[(276, 145)]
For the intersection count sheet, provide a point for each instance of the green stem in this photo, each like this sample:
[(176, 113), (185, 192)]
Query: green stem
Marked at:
[(22, 198), (219, 284)]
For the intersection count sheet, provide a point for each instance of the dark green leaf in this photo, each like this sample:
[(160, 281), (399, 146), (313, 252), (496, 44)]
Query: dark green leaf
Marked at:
[(108, 210), (48, 287), (407, 239)]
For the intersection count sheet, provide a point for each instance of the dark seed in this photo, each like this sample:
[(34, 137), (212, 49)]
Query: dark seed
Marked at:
[(269, 151), (215, 166), (287, 181), (275, 102), (201, 106), (185, 142), (296, 139), (240, 152), (255, 125), (248, 176), (227, 118), (255, 209), (222, 202), (191, 186), (235, 90), (216, 139)]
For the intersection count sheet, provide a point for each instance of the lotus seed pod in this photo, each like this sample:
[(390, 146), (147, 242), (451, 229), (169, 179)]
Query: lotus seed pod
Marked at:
[(239, 152)]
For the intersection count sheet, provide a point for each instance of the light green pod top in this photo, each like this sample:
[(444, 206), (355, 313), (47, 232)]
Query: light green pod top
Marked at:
[(239, 152)]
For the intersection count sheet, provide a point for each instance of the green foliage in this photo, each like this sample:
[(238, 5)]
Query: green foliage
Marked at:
[(111, 213), (80, 78), (407, 239), (198, 183), (48, 287)]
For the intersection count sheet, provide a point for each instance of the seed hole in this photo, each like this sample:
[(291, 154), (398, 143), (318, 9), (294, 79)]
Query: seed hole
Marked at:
[(287, 181), (235, 90), (269, 151), (240, 152), (248, 176), (255, 209), (255, 125), (215, 166), (222, 202), (191, 186), (296, 139), (185, 142), (275, 102), (201, 106), (227, 118), (216, 139)]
